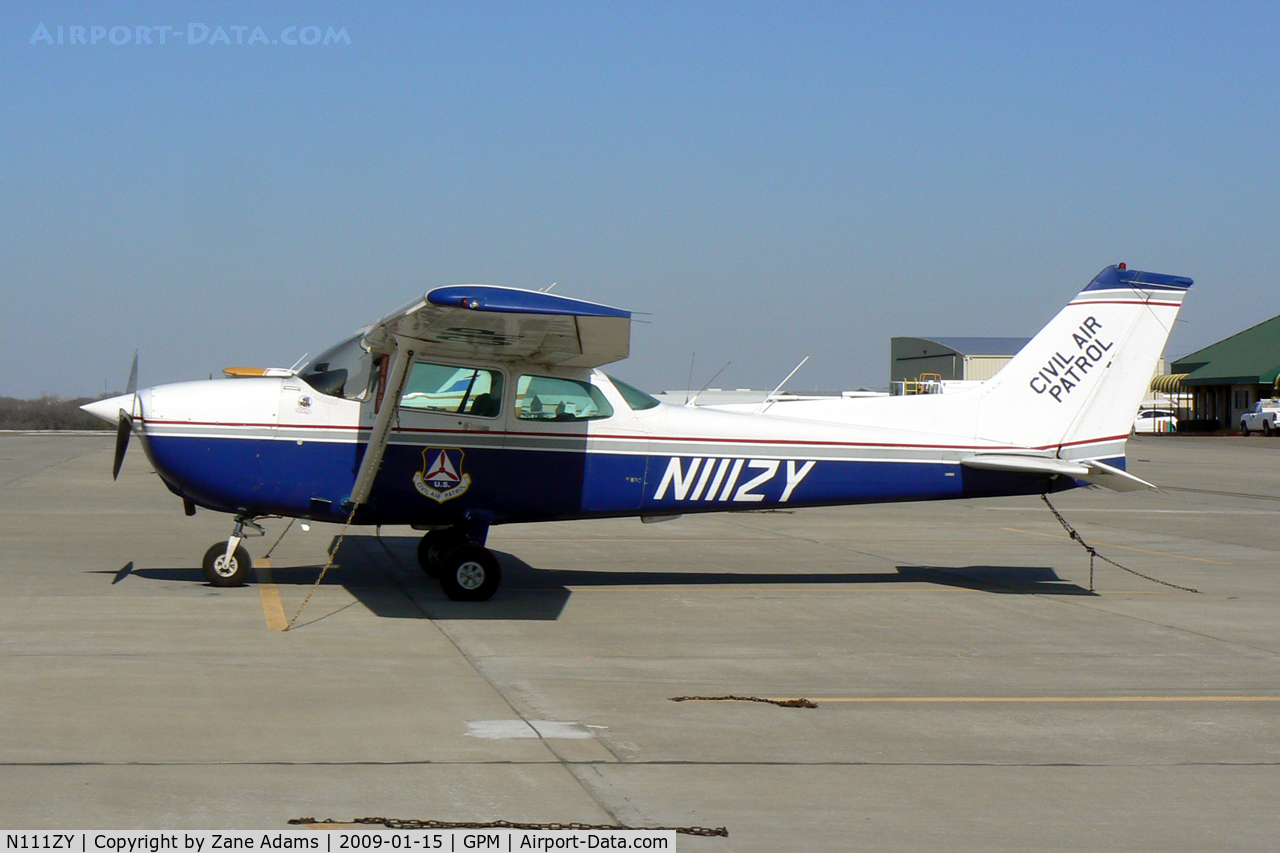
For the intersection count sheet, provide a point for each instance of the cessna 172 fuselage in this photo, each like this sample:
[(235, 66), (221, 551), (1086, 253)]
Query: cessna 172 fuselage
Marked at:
[(481, 405)]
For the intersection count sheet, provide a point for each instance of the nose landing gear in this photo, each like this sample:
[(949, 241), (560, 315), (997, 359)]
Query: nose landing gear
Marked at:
[(228, 563)]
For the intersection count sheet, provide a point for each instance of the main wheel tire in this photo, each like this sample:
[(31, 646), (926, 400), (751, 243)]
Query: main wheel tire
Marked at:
[(435, 546), (470, 573), (219, 572)]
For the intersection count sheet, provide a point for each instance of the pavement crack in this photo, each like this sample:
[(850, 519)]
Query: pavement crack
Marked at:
[(26, 475), (658, 762), (1236, 644), (390, 565)]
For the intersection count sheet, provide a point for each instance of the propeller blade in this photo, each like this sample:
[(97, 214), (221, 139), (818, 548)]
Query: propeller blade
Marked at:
[(122, 442), (132, 387)]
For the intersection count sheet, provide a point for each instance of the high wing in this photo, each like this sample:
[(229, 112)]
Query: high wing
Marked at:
[(488, 322), (507, 324)]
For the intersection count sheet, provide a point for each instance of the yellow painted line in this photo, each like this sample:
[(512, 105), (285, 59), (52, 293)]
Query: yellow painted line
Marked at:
[(272, 609), (890, 700), (1125, 547), (903, 586), (891, 586), (779, 539)]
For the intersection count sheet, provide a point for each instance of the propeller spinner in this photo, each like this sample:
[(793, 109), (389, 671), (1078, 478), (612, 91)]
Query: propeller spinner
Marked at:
[(124, 418)]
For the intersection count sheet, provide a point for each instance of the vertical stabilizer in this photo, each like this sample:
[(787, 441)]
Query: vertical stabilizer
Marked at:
[(1076, 386)]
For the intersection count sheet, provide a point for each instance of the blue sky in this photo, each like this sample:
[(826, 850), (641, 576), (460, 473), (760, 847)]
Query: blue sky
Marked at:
[(766, 181)]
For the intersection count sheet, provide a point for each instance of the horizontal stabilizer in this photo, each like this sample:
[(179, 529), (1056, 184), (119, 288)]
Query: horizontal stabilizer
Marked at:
[(1026, 464), (1102, 474), (1089, 470)]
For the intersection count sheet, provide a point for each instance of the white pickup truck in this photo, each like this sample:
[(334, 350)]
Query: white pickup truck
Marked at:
[(1265, 418)]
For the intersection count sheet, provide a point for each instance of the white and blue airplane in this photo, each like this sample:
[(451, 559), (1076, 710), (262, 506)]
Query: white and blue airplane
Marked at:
[(480, 405)]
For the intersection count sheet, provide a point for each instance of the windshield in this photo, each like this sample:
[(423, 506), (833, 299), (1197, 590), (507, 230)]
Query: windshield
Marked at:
[(343, 370)]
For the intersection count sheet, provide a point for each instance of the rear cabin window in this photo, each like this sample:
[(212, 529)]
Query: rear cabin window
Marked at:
[(449, 388), (636, 399), (548, 398)]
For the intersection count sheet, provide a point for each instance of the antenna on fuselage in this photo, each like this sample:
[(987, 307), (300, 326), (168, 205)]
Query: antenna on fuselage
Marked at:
[(769, 399), (299, 363), (689, 385), (707, 384)]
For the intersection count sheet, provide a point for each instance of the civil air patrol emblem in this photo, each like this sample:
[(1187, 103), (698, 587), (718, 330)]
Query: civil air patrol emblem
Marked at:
[(441, 477)]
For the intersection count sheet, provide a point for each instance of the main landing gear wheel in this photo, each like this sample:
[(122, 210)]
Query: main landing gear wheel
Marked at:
[(223, 572), (470, 573), (435, 546)]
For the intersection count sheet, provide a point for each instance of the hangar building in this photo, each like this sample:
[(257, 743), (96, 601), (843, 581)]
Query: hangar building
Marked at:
[(1224, 380), (950, 358)]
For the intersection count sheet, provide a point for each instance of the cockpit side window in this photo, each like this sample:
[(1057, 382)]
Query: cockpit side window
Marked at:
[(346, 370), (449, 388)]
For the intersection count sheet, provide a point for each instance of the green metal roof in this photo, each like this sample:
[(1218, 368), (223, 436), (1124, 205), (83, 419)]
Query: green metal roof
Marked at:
[(1251, 357)]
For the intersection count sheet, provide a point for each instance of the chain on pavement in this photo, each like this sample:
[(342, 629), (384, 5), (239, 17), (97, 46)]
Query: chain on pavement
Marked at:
[(781, 703), (1093, 552), (410, 823)]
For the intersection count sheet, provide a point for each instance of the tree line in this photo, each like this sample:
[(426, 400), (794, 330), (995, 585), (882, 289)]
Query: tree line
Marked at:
[(47, 412)]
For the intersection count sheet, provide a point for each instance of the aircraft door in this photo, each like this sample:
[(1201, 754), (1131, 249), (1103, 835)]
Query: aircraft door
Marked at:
[(447, 442)]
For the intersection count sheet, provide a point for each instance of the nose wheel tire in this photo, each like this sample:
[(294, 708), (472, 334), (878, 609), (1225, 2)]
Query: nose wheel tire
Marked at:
[(470, 573), (220, 571)]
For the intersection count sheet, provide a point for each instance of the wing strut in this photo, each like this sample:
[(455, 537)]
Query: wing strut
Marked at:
[(382, 424)]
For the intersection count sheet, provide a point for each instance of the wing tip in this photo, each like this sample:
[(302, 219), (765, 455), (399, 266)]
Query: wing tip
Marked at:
[(490, 297)]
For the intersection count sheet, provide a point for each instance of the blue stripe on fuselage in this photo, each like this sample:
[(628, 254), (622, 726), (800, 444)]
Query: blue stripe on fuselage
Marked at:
[(259, 476), (285, 477)]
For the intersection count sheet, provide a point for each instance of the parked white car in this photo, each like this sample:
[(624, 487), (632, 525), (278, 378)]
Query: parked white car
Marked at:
[(1154, 421), (1262, 419)]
